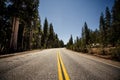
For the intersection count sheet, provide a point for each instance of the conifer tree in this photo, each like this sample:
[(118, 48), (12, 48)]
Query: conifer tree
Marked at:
[(45, 33), (102, 30), (115, 27), (51, 37), (108, 25)]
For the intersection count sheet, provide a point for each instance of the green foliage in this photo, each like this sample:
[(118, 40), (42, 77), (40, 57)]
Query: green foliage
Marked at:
[(102, 30), (71, 40), (108, 25), (30, 35), (61, 43), (86, 34), (106, 36), (45, 34), (5, 27), (70, 43), (49, 37), (115, 27)]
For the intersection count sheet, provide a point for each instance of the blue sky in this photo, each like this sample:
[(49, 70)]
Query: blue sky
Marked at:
[(68, 16)]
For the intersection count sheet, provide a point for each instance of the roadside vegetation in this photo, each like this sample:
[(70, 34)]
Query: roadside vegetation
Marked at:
[(21, 28), (105, 40)]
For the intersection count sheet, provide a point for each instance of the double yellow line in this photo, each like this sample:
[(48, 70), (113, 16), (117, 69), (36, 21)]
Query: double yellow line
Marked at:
[(62, 72)]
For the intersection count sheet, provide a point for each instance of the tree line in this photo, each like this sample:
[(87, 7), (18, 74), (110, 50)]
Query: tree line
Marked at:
[(21, 29), (49, 39), (107, 35)]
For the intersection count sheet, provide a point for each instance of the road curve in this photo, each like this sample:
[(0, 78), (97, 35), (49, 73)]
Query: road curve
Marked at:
[(43, 65)]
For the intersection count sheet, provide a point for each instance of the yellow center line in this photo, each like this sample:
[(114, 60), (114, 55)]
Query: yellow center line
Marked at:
[(61, 67)]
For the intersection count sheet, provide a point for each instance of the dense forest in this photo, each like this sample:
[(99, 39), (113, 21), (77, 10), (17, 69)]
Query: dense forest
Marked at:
[(21, 28), (106, 38)]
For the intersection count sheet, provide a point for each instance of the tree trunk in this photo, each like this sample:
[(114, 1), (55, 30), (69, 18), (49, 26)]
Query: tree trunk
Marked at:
[(14, 35)]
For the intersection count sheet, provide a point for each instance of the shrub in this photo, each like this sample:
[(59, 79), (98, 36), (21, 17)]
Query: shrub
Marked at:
[(115, 53), (102, 52), (84, 50)]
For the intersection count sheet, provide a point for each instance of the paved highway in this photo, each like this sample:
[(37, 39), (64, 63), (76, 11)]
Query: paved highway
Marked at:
[(57, 64)]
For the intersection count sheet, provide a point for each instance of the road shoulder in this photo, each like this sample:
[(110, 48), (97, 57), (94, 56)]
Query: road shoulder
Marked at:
[(99, 59), (18, 53)]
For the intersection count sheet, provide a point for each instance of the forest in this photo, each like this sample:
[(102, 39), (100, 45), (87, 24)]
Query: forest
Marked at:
[(21, 28), (105, 40)]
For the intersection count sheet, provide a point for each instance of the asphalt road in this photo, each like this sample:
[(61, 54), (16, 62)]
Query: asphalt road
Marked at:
[(43, 65)]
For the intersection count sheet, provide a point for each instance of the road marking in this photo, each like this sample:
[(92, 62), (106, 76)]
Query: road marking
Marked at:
[(59, 69), (62, 72)]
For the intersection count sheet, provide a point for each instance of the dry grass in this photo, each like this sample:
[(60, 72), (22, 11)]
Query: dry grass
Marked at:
[(103, 53), (98, 50), (107, 53)]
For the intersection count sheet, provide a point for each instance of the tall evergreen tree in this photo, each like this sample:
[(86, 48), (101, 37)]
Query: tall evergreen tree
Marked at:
[(108, 17), (56, 44), (5, 26), (45, 33), (71, 40), (102, 30), (37, 34), (115, 30), (95, 37), (17, 4), (86, 34), (18, 9), (70, 43), (61, 43), (108, 25), (51, 37)]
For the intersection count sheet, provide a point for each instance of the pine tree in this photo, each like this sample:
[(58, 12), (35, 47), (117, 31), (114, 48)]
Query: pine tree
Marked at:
[(102, 30), (76, 44), (5, 26), (115, 27), (56, 43), (86, 34), (45, 34), (96, 36), (37, 34), (108, 25), (71, 40), (51, 37), (15, 23), (61, 43), (70, 43), (22, 12)]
